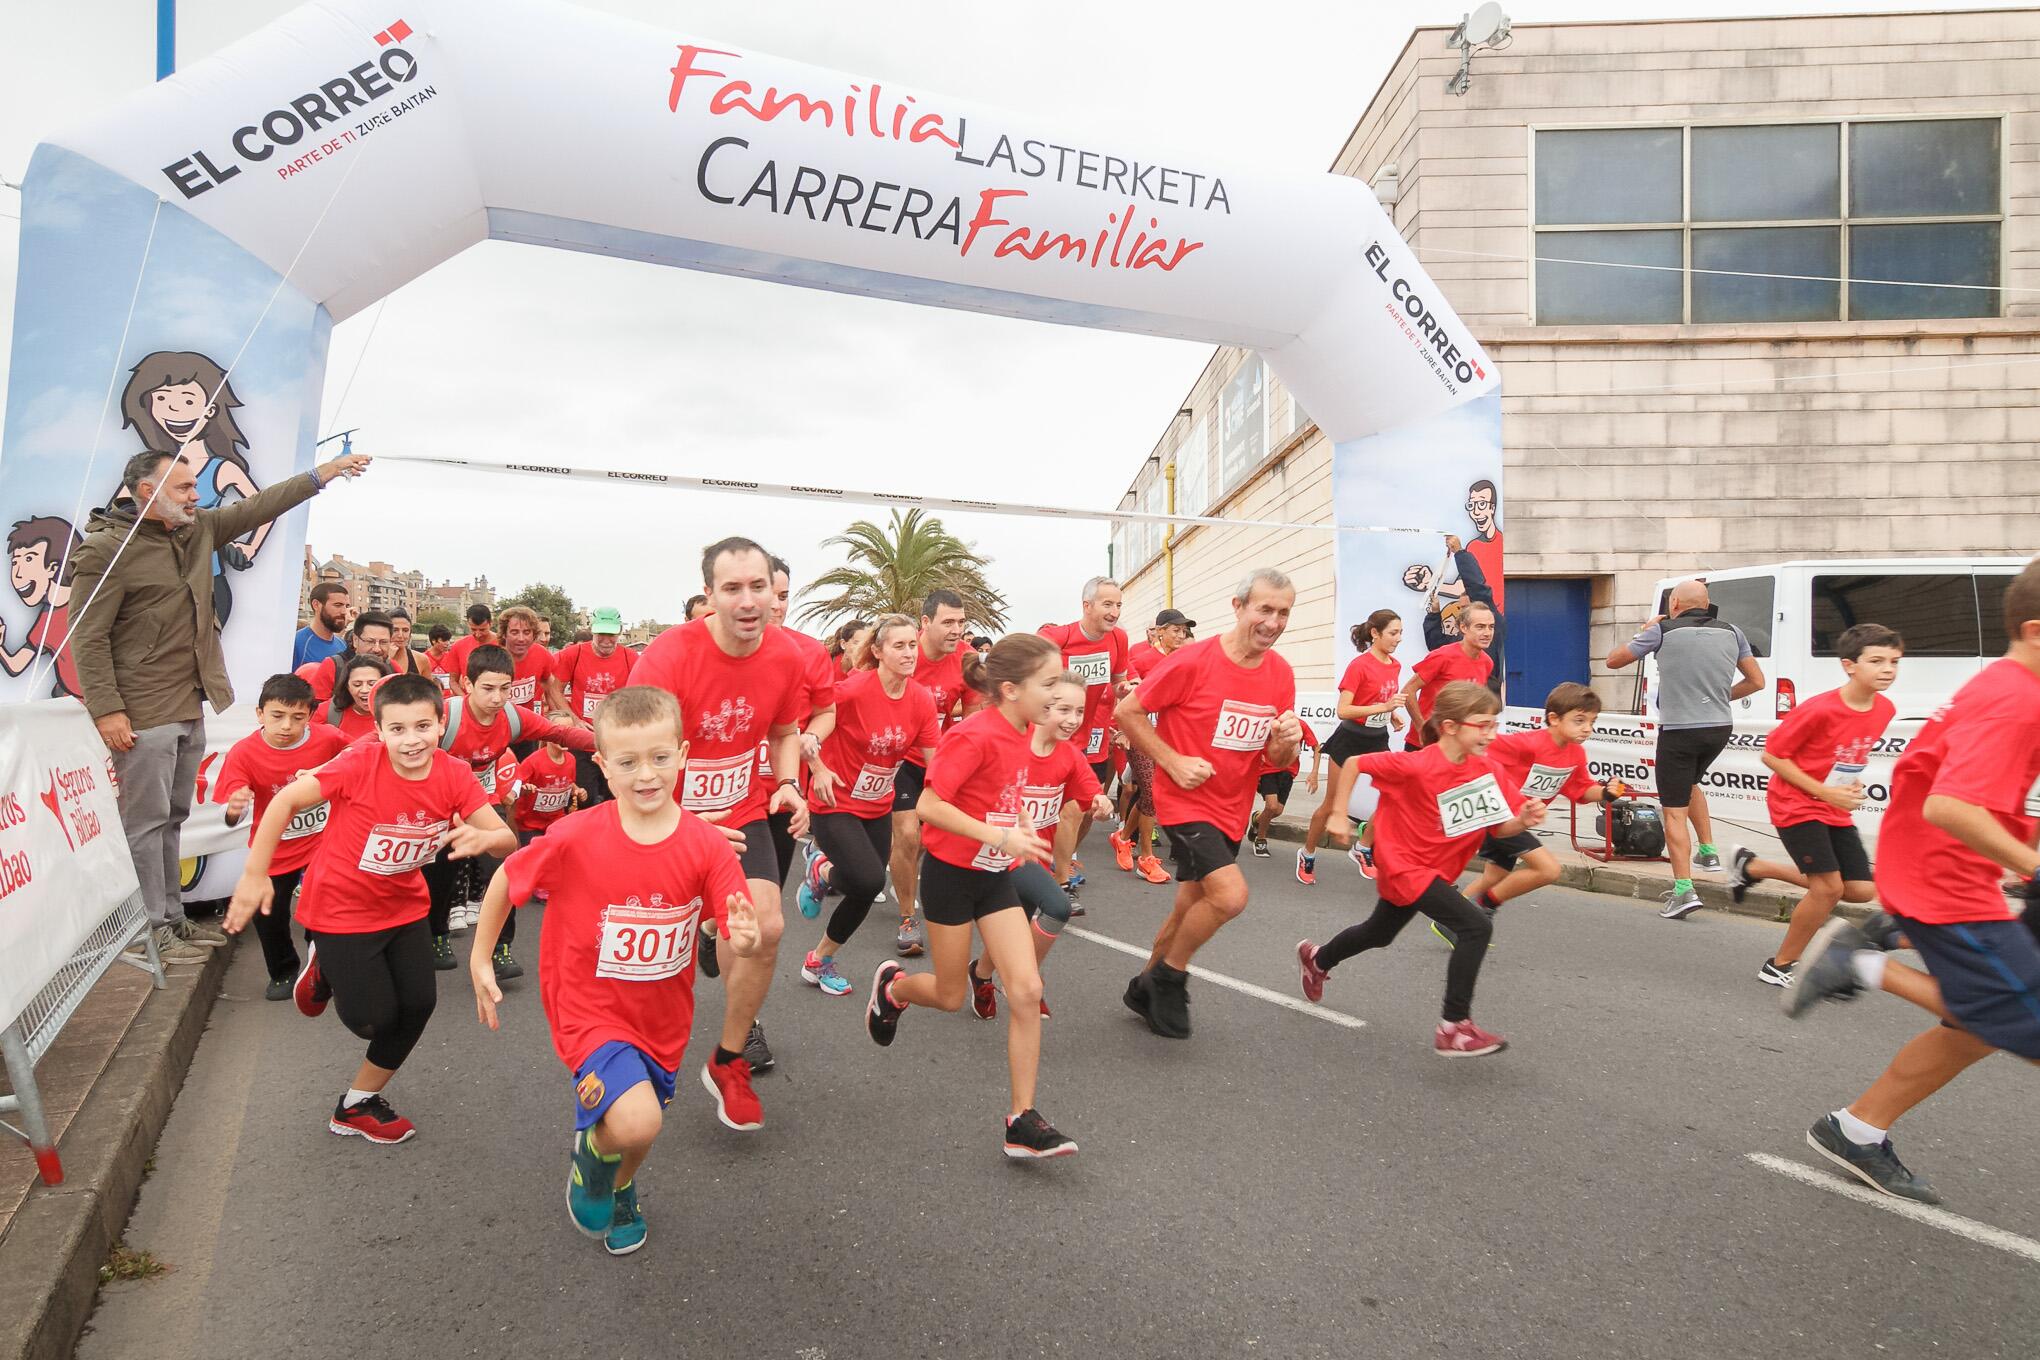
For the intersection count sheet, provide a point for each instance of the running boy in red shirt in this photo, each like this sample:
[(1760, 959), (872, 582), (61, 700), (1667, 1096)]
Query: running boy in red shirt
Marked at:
[(257, 768), (395, 802), (627, 884), (1816, 757)]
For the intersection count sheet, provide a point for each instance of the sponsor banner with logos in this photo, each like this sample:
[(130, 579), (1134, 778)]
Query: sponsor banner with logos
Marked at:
[(64, 863)]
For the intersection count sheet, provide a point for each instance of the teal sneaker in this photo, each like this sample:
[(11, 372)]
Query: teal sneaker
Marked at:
[(627, 1228), (810, 905), (829, 978), (591, 1189)]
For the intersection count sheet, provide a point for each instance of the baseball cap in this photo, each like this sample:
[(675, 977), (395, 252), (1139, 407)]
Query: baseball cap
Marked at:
[(1174, 616), (605, 621)]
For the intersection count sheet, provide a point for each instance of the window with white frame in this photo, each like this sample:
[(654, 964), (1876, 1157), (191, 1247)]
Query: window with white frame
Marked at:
[(1740, 222)]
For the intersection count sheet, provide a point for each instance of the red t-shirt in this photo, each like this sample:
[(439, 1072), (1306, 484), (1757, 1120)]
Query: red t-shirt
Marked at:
[(527, 682), (729, 704), (944, 682), (1370, 680), (873, 734), (47, 634), (364, 874), (1983, 747), (545, 790), (320, 675), (455, 661), (817, 690), (987, 769), (254, 764), (1309, 743), (481, 747), (1205, 705), (1141, 658), (352, 723), (1421, 793), (440, 669), (1536, 766), (590, 678), (1831, 742), (1095, 661), (616, 959), (1441, 668), (1488, 552)]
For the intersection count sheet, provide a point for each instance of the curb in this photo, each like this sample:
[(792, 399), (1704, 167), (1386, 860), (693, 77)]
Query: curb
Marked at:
[(50, 1257)]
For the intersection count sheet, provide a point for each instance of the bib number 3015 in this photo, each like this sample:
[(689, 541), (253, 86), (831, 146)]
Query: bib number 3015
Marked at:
[(1473, 806), (1242, 727)]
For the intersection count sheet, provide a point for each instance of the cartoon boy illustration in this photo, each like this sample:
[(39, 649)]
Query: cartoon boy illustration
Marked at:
[(181, 403), (38, 552), (1484, 508)]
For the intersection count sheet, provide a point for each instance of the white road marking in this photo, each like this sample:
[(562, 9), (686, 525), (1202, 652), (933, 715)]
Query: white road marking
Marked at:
[(1981, 1233), (1301, 1007)]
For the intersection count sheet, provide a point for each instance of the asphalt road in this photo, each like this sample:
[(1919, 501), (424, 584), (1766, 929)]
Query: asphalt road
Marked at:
[(1278, 1185)]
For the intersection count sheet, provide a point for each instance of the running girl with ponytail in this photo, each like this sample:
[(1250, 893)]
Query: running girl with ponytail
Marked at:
[(1369, 706), (989, 786), (1436, 803)]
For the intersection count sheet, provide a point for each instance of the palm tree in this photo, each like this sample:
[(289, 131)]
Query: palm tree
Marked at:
[(893, 567)]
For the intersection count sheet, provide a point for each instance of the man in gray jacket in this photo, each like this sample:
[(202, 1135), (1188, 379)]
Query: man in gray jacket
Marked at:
[(147, 648)]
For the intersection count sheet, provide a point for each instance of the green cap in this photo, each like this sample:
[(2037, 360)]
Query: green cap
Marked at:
[(605, 621)]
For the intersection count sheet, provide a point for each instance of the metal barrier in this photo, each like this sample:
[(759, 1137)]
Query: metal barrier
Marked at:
[(32, 1032)]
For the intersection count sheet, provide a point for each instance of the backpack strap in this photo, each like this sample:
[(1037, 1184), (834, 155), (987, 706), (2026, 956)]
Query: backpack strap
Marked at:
[(516, 723), (454, 708)]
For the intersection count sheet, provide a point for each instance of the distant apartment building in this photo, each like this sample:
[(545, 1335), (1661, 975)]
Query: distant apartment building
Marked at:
[(380, 587)]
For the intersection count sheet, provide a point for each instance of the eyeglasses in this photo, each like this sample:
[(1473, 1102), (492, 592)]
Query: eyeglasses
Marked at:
[(660, 760), (1484, 725)]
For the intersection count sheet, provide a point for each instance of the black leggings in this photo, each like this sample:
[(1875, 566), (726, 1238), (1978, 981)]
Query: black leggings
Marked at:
[(1443, 904), (781, 826), (382, 986), (279, 954), (1044, 901), (858, 849), (449, 881)]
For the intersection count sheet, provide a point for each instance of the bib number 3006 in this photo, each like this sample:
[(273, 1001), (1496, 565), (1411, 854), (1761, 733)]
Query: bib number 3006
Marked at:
[(1472, 807)]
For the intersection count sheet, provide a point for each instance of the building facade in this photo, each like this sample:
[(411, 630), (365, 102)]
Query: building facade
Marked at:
[(1759, 290), (380, 587)]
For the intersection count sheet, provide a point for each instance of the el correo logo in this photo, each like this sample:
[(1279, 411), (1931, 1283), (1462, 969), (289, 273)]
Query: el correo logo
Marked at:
[(1426, 321)]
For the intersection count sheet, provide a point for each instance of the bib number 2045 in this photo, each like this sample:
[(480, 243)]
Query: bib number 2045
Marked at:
[(1472, 807)]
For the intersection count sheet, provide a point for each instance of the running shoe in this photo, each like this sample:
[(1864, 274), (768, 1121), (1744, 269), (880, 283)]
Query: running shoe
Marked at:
[(984, 1002), (1774, 974), (505, 964), (1313, 976), (817, 971), (627, 1229), (591, 1187), (1029, 1137), (442, 954), (201, 937), (1825, 972), (1883, 931), (756, 1051), (1680, 905), (1150, 868), (814, 885), (1260, 848), (1740, 880), (311, 991), (1168, 1011), (1045, 1013), (1122, 850), (912, 938), (736, 1104), (1465, 1040), (704, 955), (1137, 994), (372, 1119), (1070, 892), (1876, 1166), (881, 1016), (279, 989), (1708, 858), (1076, 878), (1363, 859), (1306, 868)]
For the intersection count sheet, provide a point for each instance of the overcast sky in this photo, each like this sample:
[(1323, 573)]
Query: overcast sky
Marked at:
[(510, 353)]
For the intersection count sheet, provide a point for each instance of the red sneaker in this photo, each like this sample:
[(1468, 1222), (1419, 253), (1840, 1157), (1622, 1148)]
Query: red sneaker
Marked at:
[(372, 1119), (1122, 850), (1044, 1008), (1466, 1040), (1306, 868), (736, 1104), (1364, 858), (984, 1003), (1151, 869), (1313, 976), (312, 991)]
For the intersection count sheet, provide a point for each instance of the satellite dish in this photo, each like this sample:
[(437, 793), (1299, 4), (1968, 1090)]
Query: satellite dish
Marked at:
[(1485, 25)]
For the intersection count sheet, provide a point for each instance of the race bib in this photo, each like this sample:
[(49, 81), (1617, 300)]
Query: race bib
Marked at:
[(717, 785), (874, 783), (1377, 720), (524, 691), (1242, 727), (1544, 781), (392, 850), (764, 759), (1843, 775), (552, 800), (589, 703), (310, 822), (1095, 668), (1473, 806), (488, 777), (1096, 743), (988, 858), (646, 944)]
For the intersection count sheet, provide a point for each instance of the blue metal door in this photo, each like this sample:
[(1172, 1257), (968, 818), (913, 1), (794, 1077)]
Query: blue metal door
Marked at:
[(1548, 626)]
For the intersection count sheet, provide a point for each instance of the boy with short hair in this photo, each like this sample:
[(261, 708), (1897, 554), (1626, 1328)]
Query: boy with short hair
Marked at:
[(626, 885), (257, 768), (1816, 756), (394, 803)]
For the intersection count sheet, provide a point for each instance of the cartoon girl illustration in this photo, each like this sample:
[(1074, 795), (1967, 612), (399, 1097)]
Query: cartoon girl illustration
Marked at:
[(181, 403)]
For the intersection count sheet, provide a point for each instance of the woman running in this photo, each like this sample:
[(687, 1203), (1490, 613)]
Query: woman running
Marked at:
[(1369, 705), (356, 715), (1436, 803), (987, 791), (880, 715)]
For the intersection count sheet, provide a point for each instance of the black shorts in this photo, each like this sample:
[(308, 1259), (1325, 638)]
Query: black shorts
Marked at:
[(1201, 850), (1102, 772), (781, 824), (1351, 739), (956, 897), (759, 857), (1989, 973), (1277, 782), (1817, 848), (1685, 754), (907, 786), (1504, 851)]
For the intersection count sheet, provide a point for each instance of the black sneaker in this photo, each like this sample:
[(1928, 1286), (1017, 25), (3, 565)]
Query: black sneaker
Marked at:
[(1775, 974), (704, 957), (1168, 1012), (881, 1016), (1260, 849), (1876, 1166), (505, 965), (1883, 931), (1824, 972), (1137, 995), (279, 989), (756, 1051), (1739, 880), (1070, 892), (1029, 1136), (442, 954)]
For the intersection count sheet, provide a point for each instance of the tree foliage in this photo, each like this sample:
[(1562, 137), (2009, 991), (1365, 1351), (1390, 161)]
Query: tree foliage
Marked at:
[(427, 618), (891, 569), (548, 602)]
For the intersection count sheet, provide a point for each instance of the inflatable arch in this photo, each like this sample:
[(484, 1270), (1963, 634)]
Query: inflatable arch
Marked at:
[(184, 257)]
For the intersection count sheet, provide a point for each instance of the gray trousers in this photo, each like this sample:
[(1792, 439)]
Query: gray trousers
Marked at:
[(157, 775)]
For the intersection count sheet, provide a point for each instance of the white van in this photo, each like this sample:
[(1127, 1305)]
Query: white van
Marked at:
[(1949, 610)]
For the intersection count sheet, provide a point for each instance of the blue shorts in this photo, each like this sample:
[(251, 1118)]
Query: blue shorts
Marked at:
[(1989, 973), (610, 1071)]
